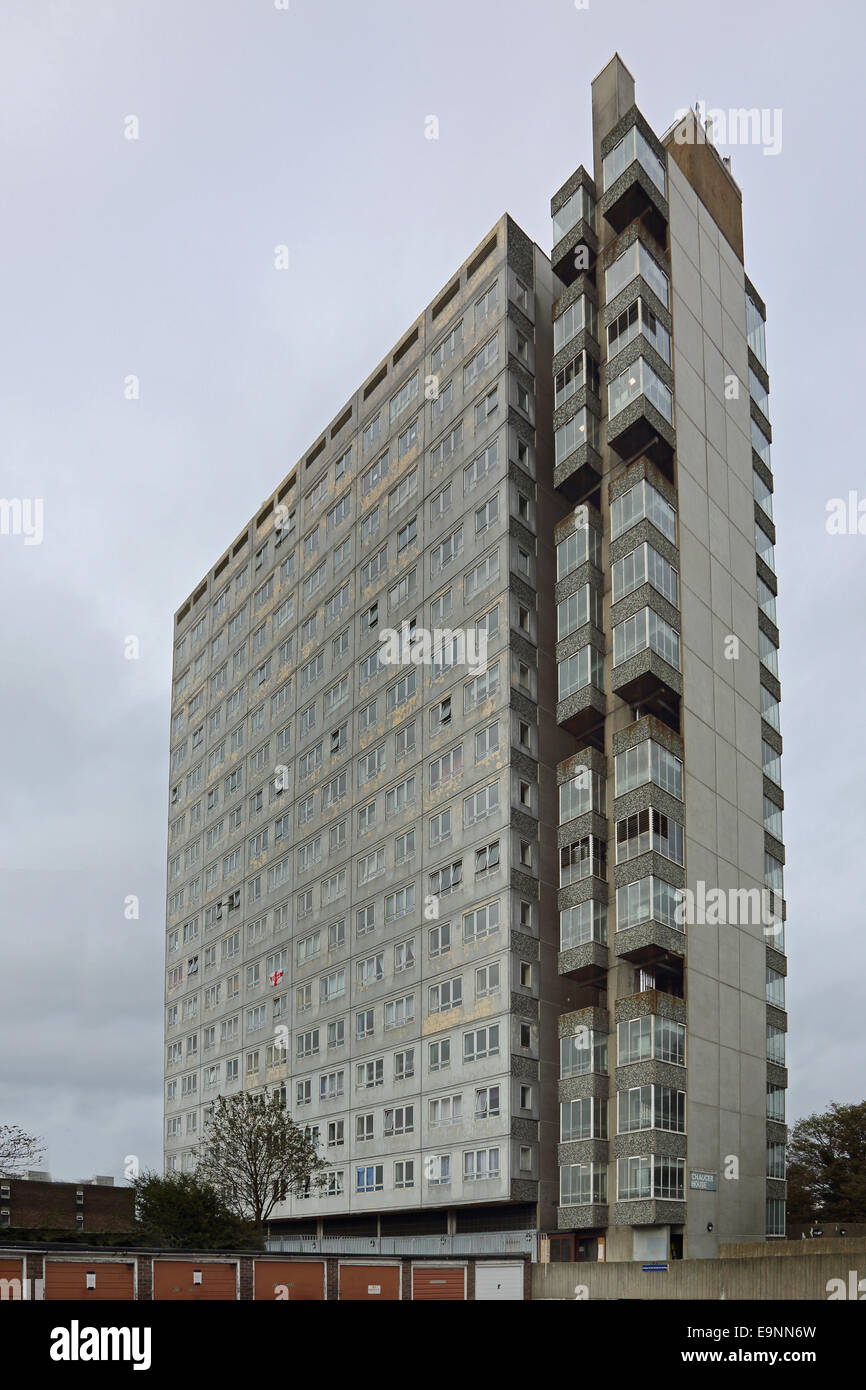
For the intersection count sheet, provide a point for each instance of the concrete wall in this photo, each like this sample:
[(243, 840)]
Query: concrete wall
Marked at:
[(721, 723), (764, 1278)]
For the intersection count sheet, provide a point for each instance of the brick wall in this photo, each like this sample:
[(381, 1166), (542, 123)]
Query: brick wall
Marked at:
[(54, 1206)]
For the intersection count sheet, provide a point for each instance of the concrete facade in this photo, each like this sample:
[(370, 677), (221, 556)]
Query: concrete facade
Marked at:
[(432, 903), (679, 742)]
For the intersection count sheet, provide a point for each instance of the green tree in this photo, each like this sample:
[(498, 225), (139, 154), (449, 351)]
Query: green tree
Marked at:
[(255, 1154), (827, 1166), (183, 1212)]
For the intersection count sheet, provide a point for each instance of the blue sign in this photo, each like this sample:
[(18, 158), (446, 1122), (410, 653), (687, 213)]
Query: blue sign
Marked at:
[(661, 1268)]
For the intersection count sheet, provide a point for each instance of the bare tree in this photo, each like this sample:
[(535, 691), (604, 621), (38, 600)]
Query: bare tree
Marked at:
[(18, 1151), (255, 1155)]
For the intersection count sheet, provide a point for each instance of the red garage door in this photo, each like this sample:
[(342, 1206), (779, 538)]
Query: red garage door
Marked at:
[(298, 1281), (69, 1279), (178, 1279), (11, 1279), (373, 1282), (439, 1281)]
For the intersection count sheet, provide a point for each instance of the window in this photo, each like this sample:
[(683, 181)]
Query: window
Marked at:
[(400, 903), (578, 315), (775, 988), (583, 858), (371, 764), (582, 1183), (446, 551), (487, 859), (651, 1107), (648, 762), (636, 260), (647, 899), (369, 1179), (439, 1170), (481, 804), (399, 1012), (400, 1120), (480, 1163), (486, 1102), (307, 1044), (775, 1045), (481, 922), (485, 408), (775, 1102), (332, 986), (633, 146), (643, 500), (447, 446), (482, 688), (476, 471), (639, 379), (374, 474), (755, 331), (485, 307), (651, 1036), (439, 940), (402, 399), (404, 1173), (772, 763), (644, 566), (487, 980), (404, 740), (584, 667), (655, 1176), (446, 995), (370, 970), (483, 358), (447, 348), (401, 692), (481, 1043), (446, 768), (370, 1074), (446, 1110), (447, 878), (331, 1085), (487, 514), (404, 1065), (371, 866)]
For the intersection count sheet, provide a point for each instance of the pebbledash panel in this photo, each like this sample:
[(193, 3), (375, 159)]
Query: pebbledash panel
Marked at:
[(435, 903), (354, 863)]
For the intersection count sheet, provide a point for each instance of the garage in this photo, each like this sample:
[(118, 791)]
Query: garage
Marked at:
[(190, 1281), (376, 1283), (444, 1282), (11, 1279), (292, 1281), (89, 1281), (494, 1281)]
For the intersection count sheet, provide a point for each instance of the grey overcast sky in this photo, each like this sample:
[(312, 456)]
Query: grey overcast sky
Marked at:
[(261, 126)]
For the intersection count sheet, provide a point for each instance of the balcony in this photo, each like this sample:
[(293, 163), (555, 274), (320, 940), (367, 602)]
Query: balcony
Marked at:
[(474, 1243), (634, 178), (575, 244), (582, 704), (646, 653), (577, 461), (640, 413), (649, 1211), (592, 1216), (651, 937)]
